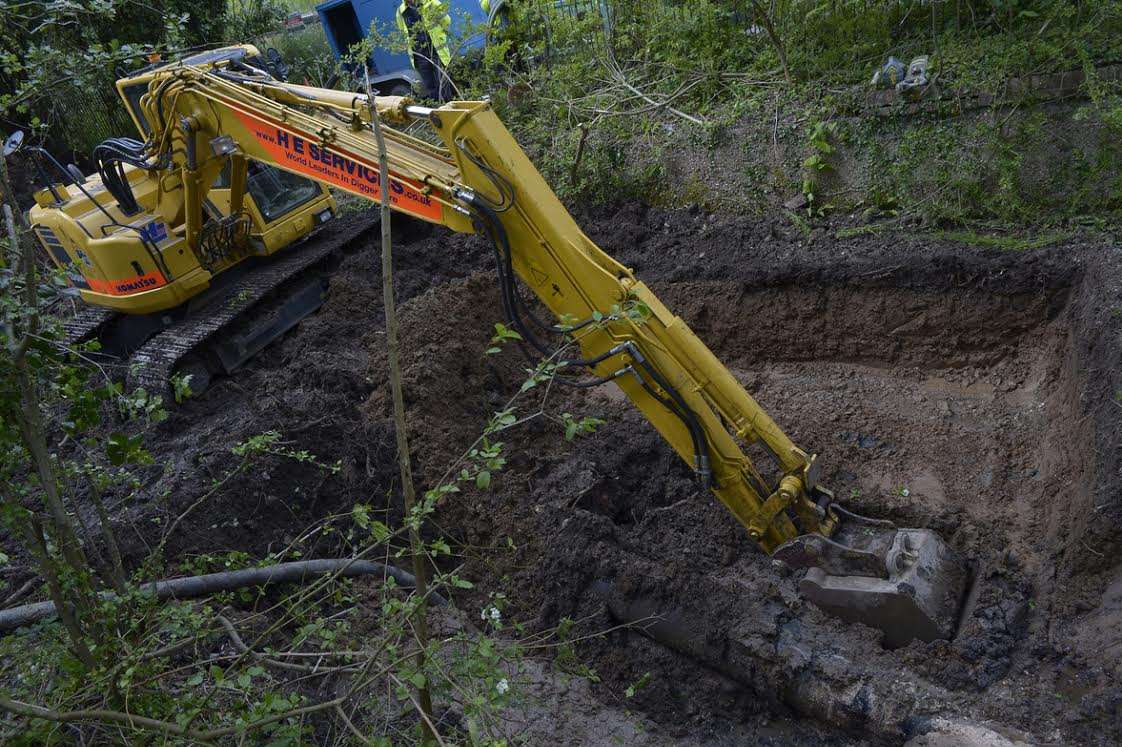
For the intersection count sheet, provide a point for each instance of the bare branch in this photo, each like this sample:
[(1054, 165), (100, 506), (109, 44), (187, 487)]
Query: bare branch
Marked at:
[(239, 644)]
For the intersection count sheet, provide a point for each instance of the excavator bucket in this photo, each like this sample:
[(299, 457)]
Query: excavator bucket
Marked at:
[(907, 583)]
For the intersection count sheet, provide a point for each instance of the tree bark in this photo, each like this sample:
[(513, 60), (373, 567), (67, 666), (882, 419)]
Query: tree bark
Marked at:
[(72, 599), (59, 603), (117, 573)]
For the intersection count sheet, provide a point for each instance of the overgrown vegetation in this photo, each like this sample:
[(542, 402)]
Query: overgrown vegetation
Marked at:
[(710, 102), (59, 61), (718, 103), (306, 53)]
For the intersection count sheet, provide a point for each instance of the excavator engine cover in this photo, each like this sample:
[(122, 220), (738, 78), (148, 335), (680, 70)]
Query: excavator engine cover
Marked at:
[(905, 582)]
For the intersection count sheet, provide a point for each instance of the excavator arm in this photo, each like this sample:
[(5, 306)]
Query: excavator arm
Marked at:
[(608, 325)]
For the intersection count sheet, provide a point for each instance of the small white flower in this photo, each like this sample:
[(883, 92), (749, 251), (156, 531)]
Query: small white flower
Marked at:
[(491, 613), (905, 492), (502, 685)]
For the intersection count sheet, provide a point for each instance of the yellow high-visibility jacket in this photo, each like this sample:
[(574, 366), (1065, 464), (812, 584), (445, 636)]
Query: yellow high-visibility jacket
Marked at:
[(434, 14)]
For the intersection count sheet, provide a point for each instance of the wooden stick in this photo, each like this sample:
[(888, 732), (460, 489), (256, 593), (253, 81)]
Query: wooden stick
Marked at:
[(405, 467)]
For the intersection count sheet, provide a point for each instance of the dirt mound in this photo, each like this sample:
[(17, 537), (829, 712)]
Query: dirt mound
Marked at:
[(451, 386), (967, 391), (308, 387)]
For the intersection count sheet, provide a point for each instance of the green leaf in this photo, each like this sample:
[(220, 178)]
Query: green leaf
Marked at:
[(418, 680), (116, 448), (122, 448), (503, 333), (379, 531), (361, 513), (637, 685), (483, 480)]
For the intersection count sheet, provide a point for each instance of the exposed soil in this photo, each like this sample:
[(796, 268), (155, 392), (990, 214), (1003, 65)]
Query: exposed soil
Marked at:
[(946, 387)]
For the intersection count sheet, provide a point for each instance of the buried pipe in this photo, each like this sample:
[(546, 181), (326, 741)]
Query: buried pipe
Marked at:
[(819, 683), (213, 583)]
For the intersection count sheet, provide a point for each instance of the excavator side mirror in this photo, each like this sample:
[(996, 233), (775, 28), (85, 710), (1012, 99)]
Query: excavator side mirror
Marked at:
[(275, 64), (13, 143)]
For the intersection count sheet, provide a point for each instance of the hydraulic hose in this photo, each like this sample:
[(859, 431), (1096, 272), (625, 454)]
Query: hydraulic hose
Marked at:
[(491, 223), (212, 583), (151, 247), (682, 410)]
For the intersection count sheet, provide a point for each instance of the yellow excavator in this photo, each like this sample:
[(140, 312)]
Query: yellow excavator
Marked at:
[(220, 113), (144, 307)]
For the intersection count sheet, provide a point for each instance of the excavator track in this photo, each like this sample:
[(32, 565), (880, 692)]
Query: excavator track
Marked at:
[(153, 364), (85, 324)]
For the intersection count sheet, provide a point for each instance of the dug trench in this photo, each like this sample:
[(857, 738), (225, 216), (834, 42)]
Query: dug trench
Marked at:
[(944, 387)]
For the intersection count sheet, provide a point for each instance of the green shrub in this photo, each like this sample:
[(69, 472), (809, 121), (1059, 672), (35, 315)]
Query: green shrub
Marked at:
[(306, 52)]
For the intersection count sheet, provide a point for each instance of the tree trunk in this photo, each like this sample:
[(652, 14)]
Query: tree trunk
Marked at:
[(70, 592), (420, 622), (781, 50)]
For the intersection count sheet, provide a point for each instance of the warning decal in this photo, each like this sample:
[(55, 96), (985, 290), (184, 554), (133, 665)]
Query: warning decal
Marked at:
[(301, 155)]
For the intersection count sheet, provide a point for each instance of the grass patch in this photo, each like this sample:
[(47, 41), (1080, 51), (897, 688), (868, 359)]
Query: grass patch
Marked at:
[(870, 230), (1005, 243), (799, 222)]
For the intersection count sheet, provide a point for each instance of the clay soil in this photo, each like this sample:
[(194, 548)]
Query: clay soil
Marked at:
[(944, 386)]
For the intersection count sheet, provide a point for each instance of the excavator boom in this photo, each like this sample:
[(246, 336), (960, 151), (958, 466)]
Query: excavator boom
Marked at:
[(609, 326)]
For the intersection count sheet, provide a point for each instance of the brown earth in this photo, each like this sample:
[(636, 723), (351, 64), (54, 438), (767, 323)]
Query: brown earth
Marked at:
[(968, 391)]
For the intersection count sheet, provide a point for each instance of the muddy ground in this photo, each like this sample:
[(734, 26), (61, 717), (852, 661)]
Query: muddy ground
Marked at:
[(945, 386)]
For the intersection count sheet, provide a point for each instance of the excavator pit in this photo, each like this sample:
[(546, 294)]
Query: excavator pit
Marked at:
[(933, 408), (918, 400), (943, 394), (941, 407)]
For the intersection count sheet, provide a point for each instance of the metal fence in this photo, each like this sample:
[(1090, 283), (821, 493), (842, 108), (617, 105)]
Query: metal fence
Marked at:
[(592, 18), (81, 117), (580, 9)]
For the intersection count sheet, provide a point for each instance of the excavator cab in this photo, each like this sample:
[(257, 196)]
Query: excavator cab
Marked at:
[(106, 231), (276, 199)]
